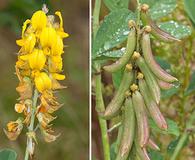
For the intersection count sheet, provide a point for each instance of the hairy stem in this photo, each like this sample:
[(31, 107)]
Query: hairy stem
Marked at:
[(96, 14), (32, 120), (138, 25), (100, 108)]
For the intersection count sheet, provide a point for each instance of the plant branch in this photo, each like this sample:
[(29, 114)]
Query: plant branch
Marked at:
[(101, 108), (96, 14), (138, 25), (32, 120)]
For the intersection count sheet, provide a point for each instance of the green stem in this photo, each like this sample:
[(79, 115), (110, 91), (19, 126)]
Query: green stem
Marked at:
[(184, 137), (32, 120), (96, 14), (138, 25), (101, 108)]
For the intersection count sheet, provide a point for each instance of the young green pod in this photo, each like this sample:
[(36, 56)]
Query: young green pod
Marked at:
[(142, 152), (164, 85), (150, 79), (128, 131), (151, 144), (131, 43), (152, 64), (114, 106), (119, 137), (152, 106), (141, 117)]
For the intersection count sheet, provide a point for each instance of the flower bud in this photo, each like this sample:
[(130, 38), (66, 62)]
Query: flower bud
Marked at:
[(55, 64), (57, 47), (28, 43), (42, 82), (48, 37), (39, 20), (37, 59)]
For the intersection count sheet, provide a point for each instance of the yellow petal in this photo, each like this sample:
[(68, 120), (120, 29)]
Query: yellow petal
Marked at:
[(19, 108), (48, 36), (58, 76), (37, 59), (58, 13), (42, 82), (57, 48), (24, 26), (55, 64), (39, 20), (20, 42)]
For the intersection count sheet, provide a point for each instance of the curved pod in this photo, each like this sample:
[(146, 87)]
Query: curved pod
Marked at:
[(150, 79), (114, 106), (152, 64), (131, 43), (152, 106), (141, 117), (128, 131)]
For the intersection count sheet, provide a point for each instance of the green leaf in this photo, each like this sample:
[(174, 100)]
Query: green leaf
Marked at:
[(117, 77), (189, 8), (160, 8), (116, 4), (172, 145), (113, 31), (8, 154), (173, 128), (155, 155), (177, 30), (191, 87)]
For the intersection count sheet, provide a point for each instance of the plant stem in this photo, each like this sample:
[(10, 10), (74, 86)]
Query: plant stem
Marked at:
[(101, 108), (98, 90), (32, 119), (184, 137), (138, 25), (96, 14)]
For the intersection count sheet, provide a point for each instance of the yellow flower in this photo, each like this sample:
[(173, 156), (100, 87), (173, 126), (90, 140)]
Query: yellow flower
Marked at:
[(37, 59), (27, 43), (57, 47), (48, 37), (55, 64), (58, 76), (60, 30), (39, 20), (42, 82)]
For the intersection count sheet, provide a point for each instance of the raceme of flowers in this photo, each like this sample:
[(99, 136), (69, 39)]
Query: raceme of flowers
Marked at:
[(39, 68)]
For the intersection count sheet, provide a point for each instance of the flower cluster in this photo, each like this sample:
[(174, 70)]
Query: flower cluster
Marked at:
[(39, 67)]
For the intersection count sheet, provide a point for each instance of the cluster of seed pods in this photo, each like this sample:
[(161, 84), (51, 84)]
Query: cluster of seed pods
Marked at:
[(138, 95)]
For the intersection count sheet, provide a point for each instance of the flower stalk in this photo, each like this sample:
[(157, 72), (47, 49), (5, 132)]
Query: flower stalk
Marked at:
[(39, 69)]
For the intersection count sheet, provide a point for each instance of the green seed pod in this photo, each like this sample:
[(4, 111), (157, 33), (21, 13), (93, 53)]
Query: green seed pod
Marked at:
[(142, 152), (164, 85), (152, 106), (114, 106), (128, 131), (142, 119), (152, 64), (156, 31), (150, 79), (151, 144), (131, 43), (119, 137)]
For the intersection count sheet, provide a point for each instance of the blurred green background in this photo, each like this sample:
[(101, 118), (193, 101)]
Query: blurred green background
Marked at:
[(72, 121)]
